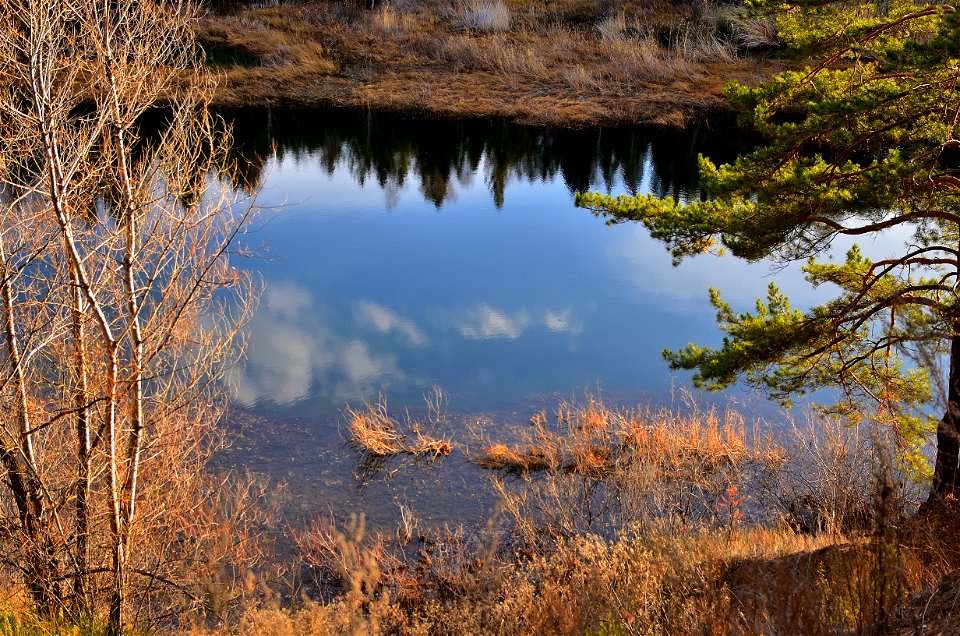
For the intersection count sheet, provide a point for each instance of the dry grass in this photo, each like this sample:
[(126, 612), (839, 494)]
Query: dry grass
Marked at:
[(590, 438), (572, 63), (596, 470), (745, 581), (372, 431), (692, 567), (640, 521), (483, 15)]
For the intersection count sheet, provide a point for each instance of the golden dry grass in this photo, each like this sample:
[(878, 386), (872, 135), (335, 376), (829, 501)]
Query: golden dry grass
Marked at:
[(744, 581), (573, 64), (374, 432), (640, 521), (591, 438), (502, 457)]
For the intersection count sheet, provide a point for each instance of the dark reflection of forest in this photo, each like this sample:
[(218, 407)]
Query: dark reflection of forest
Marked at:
[(393, 149)]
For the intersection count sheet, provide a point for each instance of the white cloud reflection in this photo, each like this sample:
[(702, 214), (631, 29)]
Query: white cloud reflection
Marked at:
[(287, 300), (299, 348), (293, 354), (386, 321), (487, 323), (562, 322)]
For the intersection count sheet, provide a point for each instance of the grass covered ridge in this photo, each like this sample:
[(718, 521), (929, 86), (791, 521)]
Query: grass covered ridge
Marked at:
[(566, 62)]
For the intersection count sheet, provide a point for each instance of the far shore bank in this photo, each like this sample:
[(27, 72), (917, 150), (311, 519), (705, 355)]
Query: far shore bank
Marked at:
[(468, 97), (557, 68)]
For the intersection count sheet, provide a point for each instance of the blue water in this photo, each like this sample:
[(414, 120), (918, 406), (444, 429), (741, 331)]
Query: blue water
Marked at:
[(410, 253), (378, 285)]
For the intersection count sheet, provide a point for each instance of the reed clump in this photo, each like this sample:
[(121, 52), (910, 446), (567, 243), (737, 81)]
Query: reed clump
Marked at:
[(372, 431), (592, 439)]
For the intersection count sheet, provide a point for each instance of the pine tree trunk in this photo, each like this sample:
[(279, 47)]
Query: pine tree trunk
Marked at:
[(946, 473)]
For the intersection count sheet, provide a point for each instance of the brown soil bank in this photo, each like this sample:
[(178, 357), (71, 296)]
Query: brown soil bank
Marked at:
[(558, 62)]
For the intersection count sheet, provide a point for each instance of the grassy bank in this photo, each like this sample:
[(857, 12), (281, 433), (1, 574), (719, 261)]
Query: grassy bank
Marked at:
[(612, 521), (638, 521), (562, 62)]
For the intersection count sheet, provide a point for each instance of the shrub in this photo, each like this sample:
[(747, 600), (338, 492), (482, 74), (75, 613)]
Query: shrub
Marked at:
[(484, 15)]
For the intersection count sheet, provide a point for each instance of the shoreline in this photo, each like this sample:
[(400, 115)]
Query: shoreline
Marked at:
[(485, 102), (539, 71)]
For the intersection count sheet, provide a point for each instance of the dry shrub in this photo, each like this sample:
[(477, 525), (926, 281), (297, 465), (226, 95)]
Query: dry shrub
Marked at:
[(828, 477), (483, 15), (933, 610), (343, 558), (884, 582), (613, 28), (756, 32), (237, 514), (603, 471), (382, 584), (374, 433)]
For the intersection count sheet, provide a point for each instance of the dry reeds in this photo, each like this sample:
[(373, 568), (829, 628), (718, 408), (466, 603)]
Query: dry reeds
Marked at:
[(650, 521), (590, 438), (596, 469), (372, 431), (572, 63), (502, 457)]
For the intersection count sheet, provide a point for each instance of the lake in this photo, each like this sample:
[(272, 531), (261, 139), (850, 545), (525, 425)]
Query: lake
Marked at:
[(407, 253)]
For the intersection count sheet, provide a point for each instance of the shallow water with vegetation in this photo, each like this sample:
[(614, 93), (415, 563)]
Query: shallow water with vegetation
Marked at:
[(404, 253)]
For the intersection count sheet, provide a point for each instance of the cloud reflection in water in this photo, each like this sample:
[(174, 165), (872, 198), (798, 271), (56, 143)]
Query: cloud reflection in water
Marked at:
[(386, 321), (293, 354), (300, 349)]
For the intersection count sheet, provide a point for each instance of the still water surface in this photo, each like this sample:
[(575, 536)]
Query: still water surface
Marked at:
[(410, 253)]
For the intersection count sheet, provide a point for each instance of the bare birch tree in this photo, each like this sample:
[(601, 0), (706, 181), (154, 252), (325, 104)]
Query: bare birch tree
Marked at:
[(118, 303)]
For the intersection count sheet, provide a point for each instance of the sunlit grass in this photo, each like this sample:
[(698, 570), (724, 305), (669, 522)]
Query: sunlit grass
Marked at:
[(374, 432), (574, 62)]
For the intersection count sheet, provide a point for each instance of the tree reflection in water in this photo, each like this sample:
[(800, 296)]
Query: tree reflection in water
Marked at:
[(392, 149)]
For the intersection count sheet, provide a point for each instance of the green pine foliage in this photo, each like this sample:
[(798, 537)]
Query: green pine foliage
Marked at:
[(861, 144)]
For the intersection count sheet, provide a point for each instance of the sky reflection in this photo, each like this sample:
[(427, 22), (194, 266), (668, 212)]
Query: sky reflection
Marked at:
[(409, 253)]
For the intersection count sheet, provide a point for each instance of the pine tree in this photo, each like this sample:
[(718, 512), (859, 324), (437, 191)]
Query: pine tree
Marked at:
[(860, 145)]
